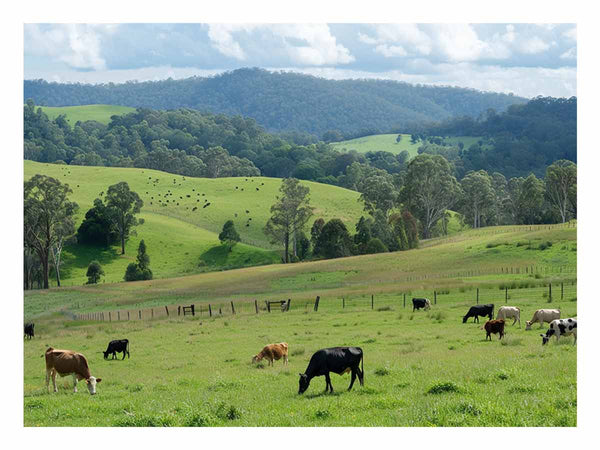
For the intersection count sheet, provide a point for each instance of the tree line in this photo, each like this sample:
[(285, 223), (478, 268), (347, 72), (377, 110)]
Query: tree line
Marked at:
[(284, 101)]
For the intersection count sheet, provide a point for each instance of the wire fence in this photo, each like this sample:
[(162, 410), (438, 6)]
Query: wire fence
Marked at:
[(520, 293)]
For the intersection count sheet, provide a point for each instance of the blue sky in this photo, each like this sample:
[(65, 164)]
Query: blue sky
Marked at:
[(526, 59)]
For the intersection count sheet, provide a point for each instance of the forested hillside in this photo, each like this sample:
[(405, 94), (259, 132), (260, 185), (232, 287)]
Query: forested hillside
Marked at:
[(286, 101)]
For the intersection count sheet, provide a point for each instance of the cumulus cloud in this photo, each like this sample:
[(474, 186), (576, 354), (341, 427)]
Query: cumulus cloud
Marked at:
[(77, 45), (534, 45), (304, 44)]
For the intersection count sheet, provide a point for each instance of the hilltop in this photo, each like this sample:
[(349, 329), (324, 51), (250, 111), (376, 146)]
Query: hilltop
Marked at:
[(286, 101), (99, 113)]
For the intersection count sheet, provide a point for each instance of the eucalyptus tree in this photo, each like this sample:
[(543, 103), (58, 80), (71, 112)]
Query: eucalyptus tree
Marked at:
[(123, 204), (561, 176)]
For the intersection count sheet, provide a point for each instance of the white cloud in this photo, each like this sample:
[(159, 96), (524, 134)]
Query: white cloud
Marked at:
[(320, 46), (570, 54), (390, 50), (534, 45), (77, 45), (571, 34)]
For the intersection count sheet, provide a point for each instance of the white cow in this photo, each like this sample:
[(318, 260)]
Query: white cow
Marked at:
[(561, 327), (511, 312), (541, 316)]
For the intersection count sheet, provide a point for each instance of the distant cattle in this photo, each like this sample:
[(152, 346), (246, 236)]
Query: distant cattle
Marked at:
[(561, 327), (419, 303), (494, 327), (480, 310), (512, 312), (29, 330), (67, 362), (338, 360), (541, 316), (273, 352), (117, 346)]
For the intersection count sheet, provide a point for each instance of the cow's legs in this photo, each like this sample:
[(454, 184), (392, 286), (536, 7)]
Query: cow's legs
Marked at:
[(75, 383), (353, 378), (54, 380), (48, 380), (328, 383), (285, 360), (123, 354)]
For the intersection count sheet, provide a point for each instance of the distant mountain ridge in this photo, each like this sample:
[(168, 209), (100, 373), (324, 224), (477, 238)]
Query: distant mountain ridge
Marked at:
[(282, 101)]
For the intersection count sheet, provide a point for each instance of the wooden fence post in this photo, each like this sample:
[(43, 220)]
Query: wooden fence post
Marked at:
[(209, 310), (505, 294), (404, 300), (372, 301), (232, 308), (179, 310), (562, 290), (434, 297), (152, 312), (289, 302), (256, 305), (193, 310), (109, 318), (167, 309), (268, 305), (140, 314), (478, 296), (550, 291), (343, 303), (127, 314), (317, 303), (118, 315)]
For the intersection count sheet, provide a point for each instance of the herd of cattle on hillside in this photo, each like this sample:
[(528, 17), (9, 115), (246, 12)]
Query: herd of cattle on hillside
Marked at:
[(338, 360)]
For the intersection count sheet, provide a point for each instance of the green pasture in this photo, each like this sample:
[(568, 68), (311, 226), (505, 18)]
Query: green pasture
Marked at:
[(99, 113), (180, 233), (490, 255), (387, 143), (421, 369)]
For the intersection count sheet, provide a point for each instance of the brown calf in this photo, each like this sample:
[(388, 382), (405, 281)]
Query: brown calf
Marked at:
[(494, 326), (271, 352), (67, 362)]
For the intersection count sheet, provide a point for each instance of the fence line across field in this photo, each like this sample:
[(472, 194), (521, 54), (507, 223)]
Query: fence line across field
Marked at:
[(515, 293)]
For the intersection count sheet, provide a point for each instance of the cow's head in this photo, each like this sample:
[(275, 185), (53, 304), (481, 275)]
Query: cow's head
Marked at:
[(105, 355), (544, 339), (303, 383), (465, 319), (256, 358), (91, 384), (528, 325)]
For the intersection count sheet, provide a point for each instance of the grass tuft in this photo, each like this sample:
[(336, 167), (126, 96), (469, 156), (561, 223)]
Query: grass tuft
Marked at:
[(442, 387)]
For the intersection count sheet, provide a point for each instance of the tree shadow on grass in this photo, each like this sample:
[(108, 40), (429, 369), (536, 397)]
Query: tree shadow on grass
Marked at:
[(79, 256)]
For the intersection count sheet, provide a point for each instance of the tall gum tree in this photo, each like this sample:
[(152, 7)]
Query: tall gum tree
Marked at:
[(48, 219), (561, 176), (123, 205), (429, 189)]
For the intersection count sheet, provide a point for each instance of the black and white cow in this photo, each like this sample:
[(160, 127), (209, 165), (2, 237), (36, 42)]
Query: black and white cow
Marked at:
[(479, 310), (121, 345), (338, 360), (29, 330), (419, 303), (561, 327)]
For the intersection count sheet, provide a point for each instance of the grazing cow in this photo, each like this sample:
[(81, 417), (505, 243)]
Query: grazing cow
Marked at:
[(338, 360), (480, 310), (419, 303), (561, 327), (493, 327), (512, 312), (273, 352), (118, 346), (541, 316), (67, 362), (29, 330)]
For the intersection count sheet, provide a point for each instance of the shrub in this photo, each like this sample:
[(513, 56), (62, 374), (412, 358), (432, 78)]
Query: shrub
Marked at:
[(442, 387), (382, 371), (322, 414), (376, 246), (94, 272)]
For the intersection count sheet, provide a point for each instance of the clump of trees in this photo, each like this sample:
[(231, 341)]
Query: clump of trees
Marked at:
[(141, 269)]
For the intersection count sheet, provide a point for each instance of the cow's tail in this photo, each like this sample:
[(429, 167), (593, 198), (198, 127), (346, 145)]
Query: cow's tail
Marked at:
[(362, 367)]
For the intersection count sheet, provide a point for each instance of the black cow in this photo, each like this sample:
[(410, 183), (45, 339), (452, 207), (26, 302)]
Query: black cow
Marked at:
[(29, 330), (114, 347), (339, 360), (419, 303), (480, 310)]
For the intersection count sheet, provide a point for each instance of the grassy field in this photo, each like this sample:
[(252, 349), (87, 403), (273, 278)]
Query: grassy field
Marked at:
[(490, 255), (421, 369), (387, 143), (99, 113), (180, 233)]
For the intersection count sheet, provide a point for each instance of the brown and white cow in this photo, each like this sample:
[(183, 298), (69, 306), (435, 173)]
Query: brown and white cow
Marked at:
[(509, 312), (541, 316), (67, 362), (273, 352)]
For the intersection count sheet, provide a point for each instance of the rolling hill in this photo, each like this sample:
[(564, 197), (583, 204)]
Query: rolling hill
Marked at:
[(179, 231), (282, 101)]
